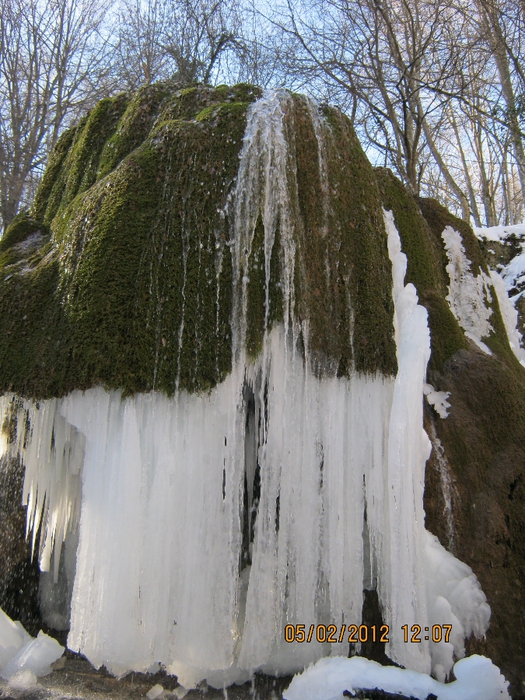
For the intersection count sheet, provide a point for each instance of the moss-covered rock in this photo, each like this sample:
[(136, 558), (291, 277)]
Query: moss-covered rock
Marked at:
[(345, 274), (483, 440), (133, 290)]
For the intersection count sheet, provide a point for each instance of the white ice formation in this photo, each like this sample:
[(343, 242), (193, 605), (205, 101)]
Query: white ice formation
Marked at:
[(23, 658), (206, 523), (469, 295)]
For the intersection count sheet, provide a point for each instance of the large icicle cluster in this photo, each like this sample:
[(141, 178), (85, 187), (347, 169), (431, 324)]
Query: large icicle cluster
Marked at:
[(209, 522)]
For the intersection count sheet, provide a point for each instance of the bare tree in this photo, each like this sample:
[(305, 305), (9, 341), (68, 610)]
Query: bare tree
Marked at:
[(511, 72), (139, 57), (52, 65), (423, 81), (186, 40)]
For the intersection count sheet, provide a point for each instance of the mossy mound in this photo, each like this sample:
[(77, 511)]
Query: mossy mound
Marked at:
[(131, 284)]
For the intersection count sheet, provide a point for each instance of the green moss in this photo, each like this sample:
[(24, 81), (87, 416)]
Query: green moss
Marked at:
[(85, 153), (242, 92), (78, 170), (134, 126), (425, 267), (134, 290), (357, 247), (33, 351), (50, 189)]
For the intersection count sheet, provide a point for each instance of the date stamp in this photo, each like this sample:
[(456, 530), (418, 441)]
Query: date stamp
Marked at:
[(336, 635), (364, 633)]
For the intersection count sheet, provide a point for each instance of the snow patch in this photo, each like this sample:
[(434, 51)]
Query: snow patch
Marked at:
[(510, 316)]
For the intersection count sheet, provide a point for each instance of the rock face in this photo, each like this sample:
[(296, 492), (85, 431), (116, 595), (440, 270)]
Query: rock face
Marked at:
[(124, 274)]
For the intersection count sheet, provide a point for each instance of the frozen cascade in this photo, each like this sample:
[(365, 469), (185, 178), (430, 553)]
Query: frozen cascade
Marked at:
[(209, 522)]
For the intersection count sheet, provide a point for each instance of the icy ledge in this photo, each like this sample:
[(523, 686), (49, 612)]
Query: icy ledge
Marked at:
[(476, 679)]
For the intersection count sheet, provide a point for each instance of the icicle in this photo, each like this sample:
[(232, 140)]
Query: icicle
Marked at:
[(447, 487), (263, 191), (52, 453), (401, 577)]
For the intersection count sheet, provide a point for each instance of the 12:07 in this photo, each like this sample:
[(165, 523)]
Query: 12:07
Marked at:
[(439, 633)]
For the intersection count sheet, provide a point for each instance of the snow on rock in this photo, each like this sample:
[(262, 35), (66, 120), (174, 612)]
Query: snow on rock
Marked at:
[(509, 279), (499, 233), (454, 597), (468, 295), (21, 656), (476, 679), (437, 399), (513, 272)]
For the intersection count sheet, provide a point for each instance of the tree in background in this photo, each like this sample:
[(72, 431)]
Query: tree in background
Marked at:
[(185, 40), (435, 88), (53, 65)]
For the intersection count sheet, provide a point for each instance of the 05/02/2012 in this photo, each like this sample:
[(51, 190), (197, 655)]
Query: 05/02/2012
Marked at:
[(363, 633)]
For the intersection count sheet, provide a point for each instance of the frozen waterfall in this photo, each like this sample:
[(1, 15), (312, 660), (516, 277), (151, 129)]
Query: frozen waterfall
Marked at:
[(207, 523)]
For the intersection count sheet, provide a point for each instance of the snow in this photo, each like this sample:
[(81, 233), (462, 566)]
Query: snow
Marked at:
[(499, 233), (23, 658), (476, 679), (513, 274), (174, 565), (468, 295), (437, 399)]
